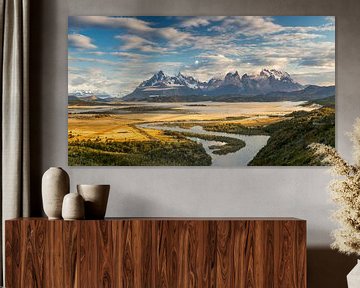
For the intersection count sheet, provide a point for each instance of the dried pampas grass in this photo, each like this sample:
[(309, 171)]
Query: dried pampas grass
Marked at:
[(345, 192)]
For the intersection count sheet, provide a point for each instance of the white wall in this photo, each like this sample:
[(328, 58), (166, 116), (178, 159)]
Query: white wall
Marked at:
[(297, 192)]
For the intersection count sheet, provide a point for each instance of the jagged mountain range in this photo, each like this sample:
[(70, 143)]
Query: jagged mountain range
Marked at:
[(90, 96), (89, 93), (268, 85), (267, 81)]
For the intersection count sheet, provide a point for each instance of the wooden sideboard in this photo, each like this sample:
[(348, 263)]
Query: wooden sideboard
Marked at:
[(156, 252)]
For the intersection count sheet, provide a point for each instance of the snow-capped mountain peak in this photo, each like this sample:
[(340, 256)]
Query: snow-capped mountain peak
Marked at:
[(160, 75), (190, 81), (232, 75), (184, 78), (276, 74), (163, 80), (155, 80), (232, 78)]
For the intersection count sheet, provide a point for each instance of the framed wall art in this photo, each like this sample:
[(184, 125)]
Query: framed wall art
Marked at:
[(226, 91)]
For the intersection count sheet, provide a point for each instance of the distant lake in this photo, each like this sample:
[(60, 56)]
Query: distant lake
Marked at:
[(214, 109)]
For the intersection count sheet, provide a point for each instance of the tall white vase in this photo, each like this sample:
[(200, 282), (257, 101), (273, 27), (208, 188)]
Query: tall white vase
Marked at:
[(55, 185), (353, 278)]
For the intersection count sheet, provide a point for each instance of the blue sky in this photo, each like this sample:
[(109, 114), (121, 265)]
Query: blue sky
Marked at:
[(115, 54)]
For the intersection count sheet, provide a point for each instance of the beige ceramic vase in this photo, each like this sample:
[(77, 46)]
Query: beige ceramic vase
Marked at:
[(55, 185), (96, 198), (73, 207)]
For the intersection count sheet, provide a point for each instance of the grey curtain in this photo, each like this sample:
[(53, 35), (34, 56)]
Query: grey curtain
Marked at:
[(14, 38)]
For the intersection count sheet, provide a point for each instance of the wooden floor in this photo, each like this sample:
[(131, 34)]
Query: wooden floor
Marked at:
[(171, 253)]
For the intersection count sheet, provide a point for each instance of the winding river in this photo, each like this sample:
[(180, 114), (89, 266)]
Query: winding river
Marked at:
[(239, 158)]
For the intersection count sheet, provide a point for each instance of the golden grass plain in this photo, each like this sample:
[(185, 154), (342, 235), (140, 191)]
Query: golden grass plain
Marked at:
[(123, 127)]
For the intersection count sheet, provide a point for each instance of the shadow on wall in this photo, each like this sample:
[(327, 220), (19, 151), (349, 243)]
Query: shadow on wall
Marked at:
[(35, 105), (328, 268)]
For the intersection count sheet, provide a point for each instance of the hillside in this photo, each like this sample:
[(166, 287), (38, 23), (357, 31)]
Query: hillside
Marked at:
[(289, 139)]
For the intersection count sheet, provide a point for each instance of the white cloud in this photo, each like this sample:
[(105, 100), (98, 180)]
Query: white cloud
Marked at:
[(130, 55), (307, 29), (322, 78), (134, 26), (129, 23), (262, 26), (195, 22), (94, 60), (77, 80), (248, 25), (132, 42), (207, 66), (330, 19), (288, 37), (295, 52), (80, 41), (93, 79), (119, 79), (173, 35)]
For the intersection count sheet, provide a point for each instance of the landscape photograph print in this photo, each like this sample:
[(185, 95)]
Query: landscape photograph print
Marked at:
[(222, 91)]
